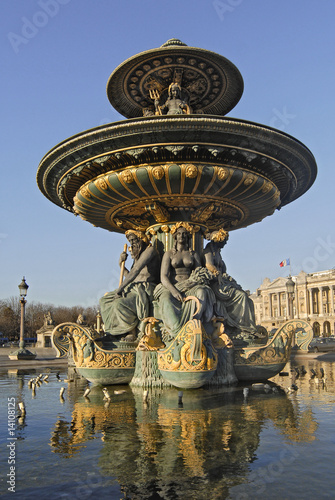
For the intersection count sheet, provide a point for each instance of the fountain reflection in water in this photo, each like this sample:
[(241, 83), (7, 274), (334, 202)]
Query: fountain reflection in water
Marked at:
[(217, 443)]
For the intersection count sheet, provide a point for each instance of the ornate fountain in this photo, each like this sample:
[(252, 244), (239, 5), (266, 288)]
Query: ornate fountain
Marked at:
[(176, 168)]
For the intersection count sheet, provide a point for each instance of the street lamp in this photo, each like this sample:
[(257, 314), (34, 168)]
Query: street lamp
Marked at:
[(290, 294), (22, 352), (23, 287)]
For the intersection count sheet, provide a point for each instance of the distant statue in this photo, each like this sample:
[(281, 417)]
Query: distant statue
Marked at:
[(81, 320), (174, 104), (184, 292), (232, 302), (123, 309), (48, 319)]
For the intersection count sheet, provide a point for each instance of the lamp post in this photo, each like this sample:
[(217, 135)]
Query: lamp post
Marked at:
[(290, 294), (22, 352)]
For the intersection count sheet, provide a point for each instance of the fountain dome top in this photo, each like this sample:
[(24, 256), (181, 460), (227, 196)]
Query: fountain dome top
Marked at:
[(212, 84)]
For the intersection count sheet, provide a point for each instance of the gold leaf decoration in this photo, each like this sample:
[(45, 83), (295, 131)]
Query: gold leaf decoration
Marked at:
[(191, 171), (267, 186), (222, 173), (127, 176), (102, 184), (85, 192), (249, 179), (158, 172)]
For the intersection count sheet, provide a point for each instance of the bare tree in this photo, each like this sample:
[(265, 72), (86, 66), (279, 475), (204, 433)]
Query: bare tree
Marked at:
[(10, 312)]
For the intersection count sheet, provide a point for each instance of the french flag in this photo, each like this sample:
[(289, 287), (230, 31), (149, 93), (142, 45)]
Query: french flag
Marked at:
[(285, 262)]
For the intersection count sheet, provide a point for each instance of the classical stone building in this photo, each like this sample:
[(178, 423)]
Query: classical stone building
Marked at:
[(312, 300)]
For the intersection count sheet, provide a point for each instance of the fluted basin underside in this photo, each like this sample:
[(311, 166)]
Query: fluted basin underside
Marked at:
[(215, 171)]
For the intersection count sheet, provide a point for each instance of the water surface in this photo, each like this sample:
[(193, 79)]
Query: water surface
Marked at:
[(217, 444)]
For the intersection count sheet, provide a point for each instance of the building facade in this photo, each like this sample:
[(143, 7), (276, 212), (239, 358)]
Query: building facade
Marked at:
[(312, 301)]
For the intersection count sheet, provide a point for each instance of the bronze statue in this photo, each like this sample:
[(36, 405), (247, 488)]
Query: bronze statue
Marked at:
[(232, 302), (184, 292), (124, 308), (174, 104)]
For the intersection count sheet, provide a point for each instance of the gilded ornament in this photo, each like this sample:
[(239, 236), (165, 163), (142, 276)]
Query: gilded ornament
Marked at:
[(183, 224), (141, 235), (183, 201), (222, 173), (203, 213), (249, 179), (76, 201), (100, 358), (133, 210), (84, 191), (219, 235), (118, 222), (102, 184), (130, 223), (190, 351), (158, 211), (158, 173), (127, 176), (267, 186), (191, 171), (150, 340)]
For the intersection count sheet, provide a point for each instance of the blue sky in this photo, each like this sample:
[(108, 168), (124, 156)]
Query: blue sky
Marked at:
[(56, 58)]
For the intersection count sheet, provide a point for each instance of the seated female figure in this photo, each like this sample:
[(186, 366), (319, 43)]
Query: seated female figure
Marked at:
[(232, 302), (184, 292)]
